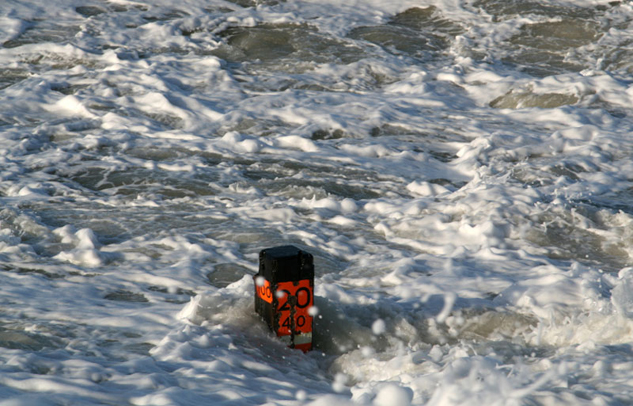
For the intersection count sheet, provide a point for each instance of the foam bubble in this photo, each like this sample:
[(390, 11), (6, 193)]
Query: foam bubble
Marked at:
[(393, 395), (378, 327)]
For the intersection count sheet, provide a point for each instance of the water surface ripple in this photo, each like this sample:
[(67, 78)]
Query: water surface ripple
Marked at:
[(461, 172)]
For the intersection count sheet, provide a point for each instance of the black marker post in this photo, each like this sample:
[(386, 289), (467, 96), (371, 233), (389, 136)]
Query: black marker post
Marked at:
[(284, 294)]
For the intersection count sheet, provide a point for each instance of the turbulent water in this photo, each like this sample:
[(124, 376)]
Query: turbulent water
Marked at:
[(460, 170)]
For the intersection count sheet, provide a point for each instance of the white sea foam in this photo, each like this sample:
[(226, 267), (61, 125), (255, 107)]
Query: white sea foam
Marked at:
[(460, 171)]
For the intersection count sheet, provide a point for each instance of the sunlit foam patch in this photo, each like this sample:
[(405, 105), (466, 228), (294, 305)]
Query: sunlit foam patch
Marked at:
[(603, 321), (230, 306), (489, 324)]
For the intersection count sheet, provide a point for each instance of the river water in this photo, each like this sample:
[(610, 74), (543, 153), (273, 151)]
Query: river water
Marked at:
[(460, 170)]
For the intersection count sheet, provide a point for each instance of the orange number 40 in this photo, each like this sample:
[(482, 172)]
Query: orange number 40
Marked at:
[(302, 321)]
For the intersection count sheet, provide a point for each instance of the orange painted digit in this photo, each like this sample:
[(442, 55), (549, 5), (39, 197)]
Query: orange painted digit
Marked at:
[(305, 300), (295, 319), (283, 308), (264, 292)]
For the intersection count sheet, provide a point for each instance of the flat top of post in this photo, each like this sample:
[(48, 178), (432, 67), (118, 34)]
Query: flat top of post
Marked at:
[(283, 251)]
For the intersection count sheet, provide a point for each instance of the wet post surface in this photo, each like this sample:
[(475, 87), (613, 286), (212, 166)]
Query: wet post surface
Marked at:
[(284, 289)]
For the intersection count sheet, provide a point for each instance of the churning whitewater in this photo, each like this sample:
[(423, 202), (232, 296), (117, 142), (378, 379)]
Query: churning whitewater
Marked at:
[(460, 171)]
